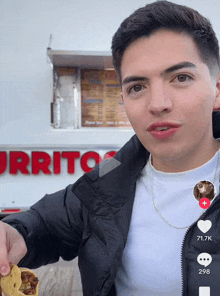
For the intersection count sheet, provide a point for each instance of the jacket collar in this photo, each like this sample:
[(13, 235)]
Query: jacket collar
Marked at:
[(116, 186), (216, 124), (109, 199)]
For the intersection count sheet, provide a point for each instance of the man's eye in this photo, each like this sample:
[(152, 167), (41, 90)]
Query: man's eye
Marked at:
[(182, 78), (136, 88)]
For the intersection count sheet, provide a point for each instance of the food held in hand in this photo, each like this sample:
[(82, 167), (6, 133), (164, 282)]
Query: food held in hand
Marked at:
[(19, 282)]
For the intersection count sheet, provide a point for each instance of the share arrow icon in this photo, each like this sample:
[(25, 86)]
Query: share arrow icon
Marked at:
[(106, 166)]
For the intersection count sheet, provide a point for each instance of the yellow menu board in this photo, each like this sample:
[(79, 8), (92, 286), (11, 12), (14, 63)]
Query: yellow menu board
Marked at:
[(101, 102)]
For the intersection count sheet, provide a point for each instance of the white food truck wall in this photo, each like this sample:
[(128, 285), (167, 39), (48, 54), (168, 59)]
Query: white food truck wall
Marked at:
[(27, 88)]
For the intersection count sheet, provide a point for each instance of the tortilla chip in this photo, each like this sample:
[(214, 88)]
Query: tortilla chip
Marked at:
[(19, 282)]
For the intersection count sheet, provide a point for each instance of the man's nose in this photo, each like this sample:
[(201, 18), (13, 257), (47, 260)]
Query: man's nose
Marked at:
[(160, 100)]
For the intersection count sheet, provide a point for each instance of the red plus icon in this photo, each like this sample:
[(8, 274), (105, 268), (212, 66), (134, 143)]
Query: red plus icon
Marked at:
[(204, 203)]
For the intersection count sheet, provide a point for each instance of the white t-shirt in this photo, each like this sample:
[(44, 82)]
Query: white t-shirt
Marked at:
[(151, 261)]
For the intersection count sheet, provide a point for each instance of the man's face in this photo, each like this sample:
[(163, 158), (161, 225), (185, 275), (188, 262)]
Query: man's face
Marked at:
[(165, 80)]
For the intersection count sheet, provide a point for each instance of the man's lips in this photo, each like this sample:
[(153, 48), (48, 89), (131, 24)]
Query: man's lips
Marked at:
[(162, 124), (163, 130)]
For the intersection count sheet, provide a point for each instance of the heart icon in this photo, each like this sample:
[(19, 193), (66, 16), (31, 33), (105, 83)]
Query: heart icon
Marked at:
[(204, 226)]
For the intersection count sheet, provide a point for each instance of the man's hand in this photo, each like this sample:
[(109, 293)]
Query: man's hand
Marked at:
[(12, 247)]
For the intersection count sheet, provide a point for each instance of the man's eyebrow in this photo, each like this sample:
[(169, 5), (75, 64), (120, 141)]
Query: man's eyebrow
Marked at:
[(179, 66), (134, 78), (167, 71)]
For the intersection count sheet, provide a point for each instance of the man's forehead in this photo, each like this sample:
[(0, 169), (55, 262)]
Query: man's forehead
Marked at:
[(161, 33), (162, 40)]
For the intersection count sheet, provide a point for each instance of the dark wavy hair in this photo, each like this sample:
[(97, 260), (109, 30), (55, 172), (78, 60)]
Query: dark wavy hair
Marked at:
[(167, 15)]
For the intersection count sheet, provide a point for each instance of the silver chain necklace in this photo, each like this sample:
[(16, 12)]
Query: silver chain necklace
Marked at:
[(153, 198)]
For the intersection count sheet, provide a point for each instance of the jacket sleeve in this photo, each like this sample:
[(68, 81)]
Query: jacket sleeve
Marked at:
[(51, 228)]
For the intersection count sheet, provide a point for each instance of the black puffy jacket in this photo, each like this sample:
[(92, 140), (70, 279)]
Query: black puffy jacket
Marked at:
[(90, 219)]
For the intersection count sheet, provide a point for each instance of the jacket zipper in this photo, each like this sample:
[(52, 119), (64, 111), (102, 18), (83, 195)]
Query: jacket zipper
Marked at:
[(183, 261)]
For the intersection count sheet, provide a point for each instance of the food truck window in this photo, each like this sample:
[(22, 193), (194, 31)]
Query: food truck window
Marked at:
[(85, 98), (101, 103)]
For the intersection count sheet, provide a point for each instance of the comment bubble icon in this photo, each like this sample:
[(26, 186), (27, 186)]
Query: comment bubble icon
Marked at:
[(204, 259)]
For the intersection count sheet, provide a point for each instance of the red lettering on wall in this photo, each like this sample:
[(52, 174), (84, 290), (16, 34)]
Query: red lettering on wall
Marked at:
[(86, 157), (71, 156), (110, 154), (56, 162), (19, 161), (3, 162), (40, 161)]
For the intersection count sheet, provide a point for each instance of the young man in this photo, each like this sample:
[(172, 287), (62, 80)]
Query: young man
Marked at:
[(134, 228)]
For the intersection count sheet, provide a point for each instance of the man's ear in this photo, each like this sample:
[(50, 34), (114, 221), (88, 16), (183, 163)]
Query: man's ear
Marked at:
[(217, 94), (122, 97)]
